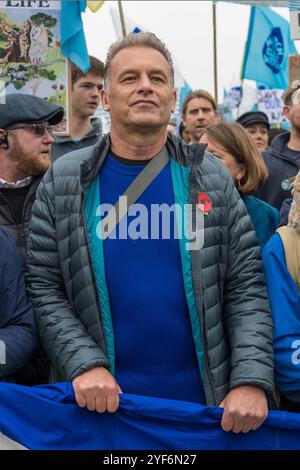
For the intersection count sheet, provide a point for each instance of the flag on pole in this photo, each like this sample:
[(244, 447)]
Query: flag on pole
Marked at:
[(95, 5), (181, 85), (73, 44), (294, 6), (267, 49), (260, 3)]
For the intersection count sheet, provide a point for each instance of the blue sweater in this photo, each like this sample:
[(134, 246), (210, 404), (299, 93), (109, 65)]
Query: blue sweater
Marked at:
[(18, 336), (155, 353), (285, 304)]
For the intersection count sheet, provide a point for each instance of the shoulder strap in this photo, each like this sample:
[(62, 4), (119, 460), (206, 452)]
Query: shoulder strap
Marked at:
[(134, 191), (291, 244)]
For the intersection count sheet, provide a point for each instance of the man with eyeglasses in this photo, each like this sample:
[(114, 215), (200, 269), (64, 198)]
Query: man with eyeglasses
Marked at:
[(86, 129), (25, 155)]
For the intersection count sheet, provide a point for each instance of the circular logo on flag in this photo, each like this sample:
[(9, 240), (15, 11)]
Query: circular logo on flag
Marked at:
[(273, 51)]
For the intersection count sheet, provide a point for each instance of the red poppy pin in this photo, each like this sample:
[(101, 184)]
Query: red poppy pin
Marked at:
[(204, 203)]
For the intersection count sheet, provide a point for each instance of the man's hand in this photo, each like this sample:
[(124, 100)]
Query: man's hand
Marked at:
[(245, 409), (97, 390)]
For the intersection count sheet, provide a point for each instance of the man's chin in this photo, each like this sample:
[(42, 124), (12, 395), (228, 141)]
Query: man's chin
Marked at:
[(148, 122), (41, 165), (197, 135)]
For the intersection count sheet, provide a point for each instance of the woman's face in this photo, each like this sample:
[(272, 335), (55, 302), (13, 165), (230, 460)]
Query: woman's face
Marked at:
[(236, 169), (259, 133)]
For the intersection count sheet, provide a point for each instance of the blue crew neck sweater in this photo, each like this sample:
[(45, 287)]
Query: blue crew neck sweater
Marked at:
[(155, 352)]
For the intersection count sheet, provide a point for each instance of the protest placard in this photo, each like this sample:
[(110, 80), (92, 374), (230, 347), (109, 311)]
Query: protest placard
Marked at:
[(271, 103), (30, 57)]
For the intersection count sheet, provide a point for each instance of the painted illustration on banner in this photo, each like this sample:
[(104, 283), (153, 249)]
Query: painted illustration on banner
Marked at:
[(30, 57)]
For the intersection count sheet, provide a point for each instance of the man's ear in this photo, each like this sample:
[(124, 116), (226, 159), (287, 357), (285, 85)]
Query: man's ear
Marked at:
[(174, 101), (105, 100), (286, 111), (3, 136)]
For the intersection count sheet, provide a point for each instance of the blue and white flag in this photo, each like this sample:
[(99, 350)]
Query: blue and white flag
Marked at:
[(264, 3), (294, 6), (73, 44), (267, 49)]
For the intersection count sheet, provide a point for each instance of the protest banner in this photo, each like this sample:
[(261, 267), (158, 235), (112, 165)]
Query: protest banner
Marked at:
[(30, 57), (271, 103)]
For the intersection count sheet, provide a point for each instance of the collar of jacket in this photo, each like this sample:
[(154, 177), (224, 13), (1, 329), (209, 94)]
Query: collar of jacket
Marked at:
[(186, 155)]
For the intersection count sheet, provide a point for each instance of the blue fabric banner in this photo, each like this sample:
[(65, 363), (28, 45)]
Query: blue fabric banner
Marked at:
[(47, 418), (267, 49), (73, 43)]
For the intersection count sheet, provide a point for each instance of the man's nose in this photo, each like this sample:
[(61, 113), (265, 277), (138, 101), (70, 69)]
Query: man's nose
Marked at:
[(144, 84), (48, 138), (95, 91), (200, 114)]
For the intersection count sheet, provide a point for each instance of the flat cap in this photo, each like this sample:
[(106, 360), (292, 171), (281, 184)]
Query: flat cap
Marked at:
[(254, 117), (19, 108)]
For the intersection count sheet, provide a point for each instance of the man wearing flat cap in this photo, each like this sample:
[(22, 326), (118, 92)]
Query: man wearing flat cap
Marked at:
[(25, 151)]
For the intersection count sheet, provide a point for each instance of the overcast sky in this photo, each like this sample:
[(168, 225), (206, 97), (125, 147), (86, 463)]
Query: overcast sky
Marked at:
[(186, 27)]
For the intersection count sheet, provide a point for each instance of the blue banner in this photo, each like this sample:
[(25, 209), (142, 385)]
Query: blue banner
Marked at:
[(267, 49), (294, 5), (47, 418), (73, 44)]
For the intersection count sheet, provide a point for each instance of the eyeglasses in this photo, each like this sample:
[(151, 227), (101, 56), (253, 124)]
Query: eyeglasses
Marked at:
[(38, 129)]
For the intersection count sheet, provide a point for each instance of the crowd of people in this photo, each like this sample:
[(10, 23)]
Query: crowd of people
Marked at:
[(142, 309)]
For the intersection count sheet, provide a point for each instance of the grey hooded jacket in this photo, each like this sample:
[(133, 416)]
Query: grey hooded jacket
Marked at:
[(65, 144), (231, 317)]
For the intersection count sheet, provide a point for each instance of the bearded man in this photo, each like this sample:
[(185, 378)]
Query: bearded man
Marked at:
[(25, 151), (25, 155)]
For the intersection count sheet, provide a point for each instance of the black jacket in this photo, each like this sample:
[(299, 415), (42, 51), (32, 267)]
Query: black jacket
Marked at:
[(18, 335), (282, 164), (36, 371), (8, 220)]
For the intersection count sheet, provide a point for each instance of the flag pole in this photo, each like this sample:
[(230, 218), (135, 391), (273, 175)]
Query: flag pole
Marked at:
[(122, 18), (214, 14)]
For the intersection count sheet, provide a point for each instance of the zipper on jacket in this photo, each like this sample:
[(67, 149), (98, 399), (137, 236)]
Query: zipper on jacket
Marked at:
[(15, 224), (193, 199)]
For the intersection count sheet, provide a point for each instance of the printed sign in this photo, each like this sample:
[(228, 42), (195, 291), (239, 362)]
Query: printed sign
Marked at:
[(271, 103), (30, 57)]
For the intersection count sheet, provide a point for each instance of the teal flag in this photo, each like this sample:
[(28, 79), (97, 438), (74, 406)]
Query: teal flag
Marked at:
[(267, 49), (265, 3), (73, 43)]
